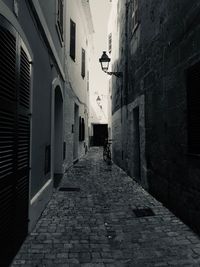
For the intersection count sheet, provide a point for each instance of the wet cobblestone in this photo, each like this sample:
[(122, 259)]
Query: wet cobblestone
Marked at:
[(96, 226)]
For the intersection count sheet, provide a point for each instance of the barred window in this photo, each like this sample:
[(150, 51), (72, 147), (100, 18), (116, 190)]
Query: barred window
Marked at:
[(59, 18), (134, 16)]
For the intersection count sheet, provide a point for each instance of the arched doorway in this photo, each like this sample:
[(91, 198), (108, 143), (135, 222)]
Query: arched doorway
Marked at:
[(58, 136)]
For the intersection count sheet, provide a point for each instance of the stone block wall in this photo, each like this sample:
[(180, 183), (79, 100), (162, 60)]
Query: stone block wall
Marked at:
[(155, 58)]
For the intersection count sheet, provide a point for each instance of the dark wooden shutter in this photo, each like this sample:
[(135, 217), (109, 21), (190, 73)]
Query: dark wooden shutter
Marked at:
[(193, 90), (72, 40), (14, 141), (83, 63), (7, 138), (23, 140)]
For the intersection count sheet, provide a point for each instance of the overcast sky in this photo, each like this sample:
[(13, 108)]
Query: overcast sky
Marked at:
[(100, 14)]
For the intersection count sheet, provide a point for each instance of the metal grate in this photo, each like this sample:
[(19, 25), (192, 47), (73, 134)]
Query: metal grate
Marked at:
[(69, 189), (79, 167), (143, 212)]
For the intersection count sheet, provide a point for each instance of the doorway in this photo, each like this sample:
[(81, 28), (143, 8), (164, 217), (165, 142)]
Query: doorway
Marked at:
[(58, 135), (100, 133), (76, 131), (136, 145)]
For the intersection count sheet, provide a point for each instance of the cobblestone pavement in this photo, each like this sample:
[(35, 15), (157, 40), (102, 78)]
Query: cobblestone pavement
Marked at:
[(96, 226)]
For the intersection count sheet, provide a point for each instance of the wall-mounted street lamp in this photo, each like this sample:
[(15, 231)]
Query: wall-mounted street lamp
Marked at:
[(98, 100), (105, 60)]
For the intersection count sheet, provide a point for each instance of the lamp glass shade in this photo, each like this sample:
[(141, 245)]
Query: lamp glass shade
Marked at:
[(98, 100), (104, 60)]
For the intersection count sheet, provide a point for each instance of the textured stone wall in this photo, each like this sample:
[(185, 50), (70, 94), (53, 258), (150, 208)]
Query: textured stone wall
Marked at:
[(155, 59)]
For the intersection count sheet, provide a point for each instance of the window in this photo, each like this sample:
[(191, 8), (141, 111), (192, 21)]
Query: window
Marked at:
[(193, 93), (59, 18), (72, 40), (64, 150), (110, 42), (134, 17), (83, 63), (47, 163), (81, 129)]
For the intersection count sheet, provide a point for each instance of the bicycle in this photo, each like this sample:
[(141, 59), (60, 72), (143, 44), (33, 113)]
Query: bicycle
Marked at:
[(106, 151)]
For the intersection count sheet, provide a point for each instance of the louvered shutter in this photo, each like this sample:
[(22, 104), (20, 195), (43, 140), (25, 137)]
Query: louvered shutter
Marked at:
[(14, 141), (7, 137), (23, 135)]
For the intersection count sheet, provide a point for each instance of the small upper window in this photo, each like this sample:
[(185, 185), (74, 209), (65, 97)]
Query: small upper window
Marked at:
[(72, 40), (59, 19), (83, 63), (134, 16)]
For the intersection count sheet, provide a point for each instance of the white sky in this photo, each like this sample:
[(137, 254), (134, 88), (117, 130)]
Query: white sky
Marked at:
[(100, 10)]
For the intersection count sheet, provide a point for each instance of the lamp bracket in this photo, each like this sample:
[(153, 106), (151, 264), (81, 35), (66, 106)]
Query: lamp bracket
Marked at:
[(117, 74)]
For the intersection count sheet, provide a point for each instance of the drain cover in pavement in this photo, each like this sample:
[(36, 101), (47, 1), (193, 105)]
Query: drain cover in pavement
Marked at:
[(143, 212), (79, 167), (69, 189)]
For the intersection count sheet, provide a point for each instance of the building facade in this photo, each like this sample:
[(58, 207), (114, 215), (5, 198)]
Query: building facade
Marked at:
[(43, 116), (78, 53), (155, 104)]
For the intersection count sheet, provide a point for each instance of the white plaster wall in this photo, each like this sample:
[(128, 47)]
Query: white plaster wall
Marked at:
[(74, 10), (76, 89)]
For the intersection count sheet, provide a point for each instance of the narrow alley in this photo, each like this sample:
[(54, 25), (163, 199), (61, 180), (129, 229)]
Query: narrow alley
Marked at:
[(96, 218)]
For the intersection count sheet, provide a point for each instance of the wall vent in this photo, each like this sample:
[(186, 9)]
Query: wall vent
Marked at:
[(143, 212), (69, 189)]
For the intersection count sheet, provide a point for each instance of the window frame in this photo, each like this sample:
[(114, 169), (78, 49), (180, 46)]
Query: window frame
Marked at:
[(60, 19)]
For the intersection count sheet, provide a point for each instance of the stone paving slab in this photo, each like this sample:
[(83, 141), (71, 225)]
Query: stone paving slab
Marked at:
[(96, 226)]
